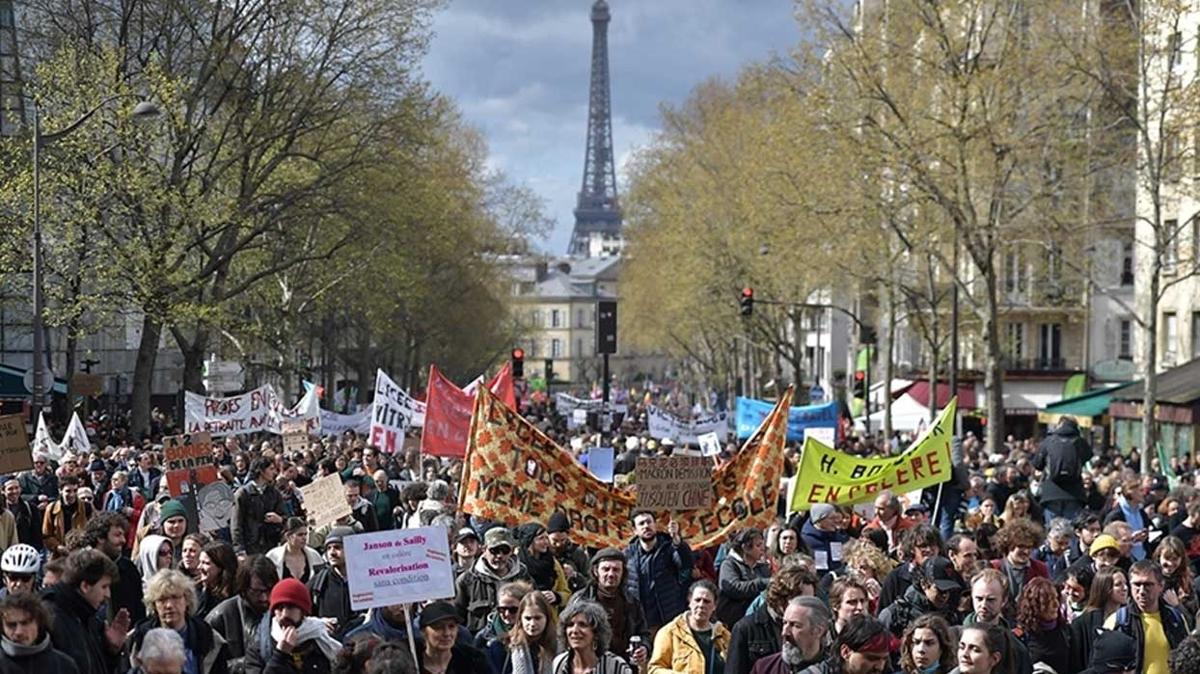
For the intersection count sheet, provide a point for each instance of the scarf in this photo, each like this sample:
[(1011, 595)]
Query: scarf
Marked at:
[(311, 629), (14, 650), (1136, 521)]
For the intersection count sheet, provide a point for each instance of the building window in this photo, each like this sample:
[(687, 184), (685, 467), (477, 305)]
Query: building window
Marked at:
[(555, 318), (1016, 276), (579, 318), (556, 348), (533, 348), (535, 317), (1127, 263), (1050, 346), (1170, 338), (1196, 334), (1171, 246), (1125, 349), (1172, 161), (578, 348), (1015, 340)]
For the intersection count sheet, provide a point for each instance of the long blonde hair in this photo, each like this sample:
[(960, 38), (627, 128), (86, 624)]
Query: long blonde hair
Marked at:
[(546, 642)]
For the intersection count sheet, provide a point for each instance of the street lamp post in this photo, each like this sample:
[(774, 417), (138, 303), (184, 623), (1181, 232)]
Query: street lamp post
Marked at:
[(143, 110)]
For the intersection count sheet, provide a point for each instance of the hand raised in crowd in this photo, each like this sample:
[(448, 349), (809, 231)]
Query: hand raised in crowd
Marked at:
[(673, 531), (116, 631), (273, 518), (640, 655)]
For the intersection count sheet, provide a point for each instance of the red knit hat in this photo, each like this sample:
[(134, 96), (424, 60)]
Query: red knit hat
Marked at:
[(292, 592)]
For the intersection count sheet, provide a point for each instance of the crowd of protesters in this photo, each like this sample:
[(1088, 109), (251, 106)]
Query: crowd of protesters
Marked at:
[(1038, 556)]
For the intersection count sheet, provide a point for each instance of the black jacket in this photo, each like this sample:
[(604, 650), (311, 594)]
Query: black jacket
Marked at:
[(895, 584), (201, 640), (29, 522), (578, 559), (1061, 456), (753, 637), (635, 620), (330, 594), (739, 586), (149, 488), (127, 592), (463, 660), (666, 573), (238, 626), (1129, 621), (251, 535), (77, 631), (48, 660), (912, 605), (1081, 635), (34, 485)]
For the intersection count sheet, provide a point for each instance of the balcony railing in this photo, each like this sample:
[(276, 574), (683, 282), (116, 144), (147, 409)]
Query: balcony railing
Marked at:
[(1037, 364)]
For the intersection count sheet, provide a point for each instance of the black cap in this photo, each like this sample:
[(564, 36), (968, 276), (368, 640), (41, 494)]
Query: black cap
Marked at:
[(940, 571), (437, 611), (1159, 483), (1113, 651), (558, 523), (606, 555)]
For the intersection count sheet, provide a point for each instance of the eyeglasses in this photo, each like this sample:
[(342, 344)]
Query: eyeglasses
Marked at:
[(506, 609), (18, 577), (500, 550)]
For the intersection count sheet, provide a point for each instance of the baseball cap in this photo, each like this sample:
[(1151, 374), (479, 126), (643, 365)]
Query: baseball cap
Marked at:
[(820, 511), (497, 536), (466, 532), (437, 611), (941, 572)]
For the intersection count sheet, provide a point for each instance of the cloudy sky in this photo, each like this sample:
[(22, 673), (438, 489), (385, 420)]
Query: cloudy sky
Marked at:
[(519, 70)]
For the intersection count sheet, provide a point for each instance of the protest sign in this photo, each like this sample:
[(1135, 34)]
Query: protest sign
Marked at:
[(255, 411), (663, 424), (335, 425), (447, 417), (295, 435), (750, 413), (15, 453), (825, 435), (600, 462), (307, 409), (826, 475), (674, 482), (710, 444), (188, 462), (386, 568), (392, 413), (515, 473), (325, 500)]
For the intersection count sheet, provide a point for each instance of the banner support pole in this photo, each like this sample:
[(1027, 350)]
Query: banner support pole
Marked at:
[(412, 644)]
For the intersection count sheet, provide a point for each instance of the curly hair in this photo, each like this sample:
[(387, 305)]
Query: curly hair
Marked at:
[(946, 647), (29, 603), (170, 583), (1036, 599), (1185, 658), (788, 583), (1019, 532), (595, 616), (860, 553)]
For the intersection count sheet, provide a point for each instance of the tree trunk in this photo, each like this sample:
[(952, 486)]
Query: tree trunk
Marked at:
[(193, 358), (1150, 378), (993, 379), (143, 376)]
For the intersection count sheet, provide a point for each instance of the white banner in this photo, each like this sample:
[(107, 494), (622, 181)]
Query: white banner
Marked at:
[(568, 405), (334, 424), (387, 568), (392, 412), (252, 412), (663, 424)]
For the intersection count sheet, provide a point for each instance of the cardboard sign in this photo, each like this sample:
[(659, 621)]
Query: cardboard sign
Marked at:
[(386, 568), (188, 462), (85, 384), (674, 482), (826, 475), (710, 444), (325, 500), (295, 435), (15, 453)]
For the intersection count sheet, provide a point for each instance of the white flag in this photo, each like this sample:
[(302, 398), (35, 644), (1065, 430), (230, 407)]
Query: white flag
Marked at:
[(42, 442)]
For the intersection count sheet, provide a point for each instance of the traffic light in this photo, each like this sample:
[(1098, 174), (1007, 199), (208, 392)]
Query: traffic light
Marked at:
[(518, 363), (860, 390), (747, 301)]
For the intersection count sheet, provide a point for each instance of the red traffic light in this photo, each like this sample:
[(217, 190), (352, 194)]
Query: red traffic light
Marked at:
[(518, 354), (748, 292), (860, 375)]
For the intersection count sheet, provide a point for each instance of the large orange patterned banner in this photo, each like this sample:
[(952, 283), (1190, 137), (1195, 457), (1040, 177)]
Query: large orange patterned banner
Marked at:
[(515, 474)]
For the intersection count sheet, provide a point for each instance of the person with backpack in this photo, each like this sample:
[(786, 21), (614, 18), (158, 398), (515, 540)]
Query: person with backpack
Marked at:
[(1156, 626), (1061, 456)]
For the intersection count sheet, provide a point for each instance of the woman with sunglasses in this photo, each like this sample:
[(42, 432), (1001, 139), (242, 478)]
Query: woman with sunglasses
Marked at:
[(155, 554), (493, 639)]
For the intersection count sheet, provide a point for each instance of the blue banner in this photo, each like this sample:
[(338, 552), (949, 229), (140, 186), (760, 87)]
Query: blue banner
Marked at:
[(751, 412)]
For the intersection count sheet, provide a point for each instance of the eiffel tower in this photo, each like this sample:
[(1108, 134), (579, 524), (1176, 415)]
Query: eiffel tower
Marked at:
[(597, 214)]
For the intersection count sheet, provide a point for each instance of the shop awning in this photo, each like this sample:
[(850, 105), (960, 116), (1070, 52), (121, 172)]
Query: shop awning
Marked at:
[(920, 392), (1085, 408), (12, 384)]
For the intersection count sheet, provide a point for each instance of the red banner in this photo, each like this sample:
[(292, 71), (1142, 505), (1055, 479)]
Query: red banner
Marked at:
[(448, 411)]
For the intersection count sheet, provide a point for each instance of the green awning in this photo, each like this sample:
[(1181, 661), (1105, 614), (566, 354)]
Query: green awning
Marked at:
[(1083, 407)]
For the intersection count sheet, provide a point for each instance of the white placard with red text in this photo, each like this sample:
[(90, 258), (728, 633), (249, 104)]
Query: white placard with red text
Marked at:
[(387, 568)]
